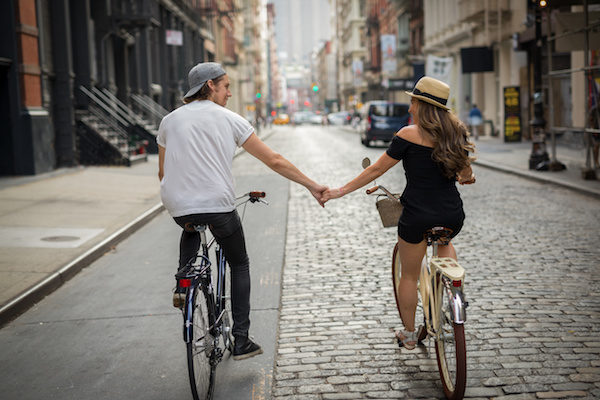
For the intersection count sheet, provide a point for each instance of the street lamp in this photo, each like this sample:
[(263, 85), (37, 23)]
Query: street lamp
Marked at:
[(538, 143)]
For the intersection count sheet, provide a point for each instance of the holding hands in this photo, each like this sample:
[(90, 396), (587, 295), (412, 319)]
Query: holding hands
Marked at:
[(332, 194), (317, 191), (323, 194)]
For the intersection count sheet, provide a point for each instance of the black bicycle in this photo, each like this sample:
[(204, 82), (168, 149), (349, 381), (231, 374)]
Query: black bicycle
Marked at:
[(206, 314)]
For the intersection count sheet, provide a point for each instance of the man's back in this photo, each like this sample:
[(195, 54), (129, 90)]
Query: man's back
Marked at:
[(200, 139)]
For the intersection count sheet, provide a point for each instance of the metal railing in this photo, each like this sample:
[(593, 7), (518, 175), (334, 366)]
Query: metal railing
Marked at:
[(118, 105), (111, 118), (151, 108)]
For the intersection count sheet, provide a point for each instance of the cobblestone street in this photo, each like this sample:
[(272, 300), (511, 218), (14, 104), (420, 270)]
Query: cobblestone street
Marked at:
[(532, 258)]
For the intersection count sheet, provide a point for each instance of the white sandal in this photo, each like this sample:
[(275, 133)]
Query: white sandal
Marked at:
[(407, 339)]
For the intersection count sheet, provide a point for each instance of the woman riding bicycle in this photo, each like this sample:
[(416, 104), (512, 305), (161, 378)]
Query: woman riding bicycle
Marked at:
[(196, 145), (435, 155)]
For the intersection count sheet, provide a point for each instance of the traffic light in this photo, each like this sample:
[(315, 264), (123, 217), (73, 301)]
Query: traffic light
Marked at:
[(542, 3), (258, 95), (315, 88)]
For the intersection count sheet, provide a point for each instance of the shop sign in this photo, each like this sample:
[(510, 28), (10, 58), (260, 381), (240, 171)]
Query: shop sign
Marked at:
[(439, 68), (400, 84), (512, 114)]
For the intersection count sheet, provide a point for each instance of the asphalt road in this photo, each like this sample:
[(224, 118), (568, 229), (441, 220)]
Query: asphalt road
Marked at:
[(111, 332)]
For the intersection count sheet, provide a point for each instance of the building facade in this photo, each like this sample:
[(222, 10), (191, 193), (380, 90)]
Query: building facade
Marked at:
[(350, 28), (87, 82)]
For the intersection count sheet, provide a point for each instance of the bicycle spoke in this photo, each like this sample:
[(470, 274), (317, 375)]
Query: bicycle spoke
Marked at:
[(200, 349)]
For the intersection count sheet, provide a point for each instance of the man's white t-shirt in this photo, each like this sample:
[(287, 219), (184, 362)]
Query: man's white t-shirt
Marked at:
[(200, 139)]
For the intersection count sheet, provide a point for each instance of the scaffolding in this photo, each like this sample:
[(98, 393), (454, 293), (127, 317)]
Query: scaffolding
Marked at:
[(588, 171)]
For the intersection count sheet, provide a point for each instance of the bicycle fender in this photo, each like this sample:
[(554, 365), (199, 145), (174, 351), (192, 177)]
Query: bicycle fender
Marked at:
[(187, 321), (459, 312)]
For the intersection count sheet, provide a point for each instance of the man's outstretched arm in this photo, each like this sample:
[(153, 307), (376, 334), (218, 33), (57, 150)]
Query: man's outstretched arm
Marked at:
[(282, 166)]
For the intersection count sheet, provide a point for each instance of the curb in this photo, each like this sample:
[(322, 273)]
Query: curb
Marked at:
[(538, 178), (18, 305), (28, 298)]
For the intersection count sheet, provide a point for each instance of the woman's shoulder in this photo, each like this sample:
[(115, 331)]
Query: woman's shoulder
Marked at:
[(410, 133)]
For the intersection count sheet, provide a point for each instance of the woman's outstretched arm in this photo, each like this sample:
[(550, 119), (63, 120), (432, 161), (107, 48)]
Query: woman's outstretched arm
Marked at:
[(370, 173)]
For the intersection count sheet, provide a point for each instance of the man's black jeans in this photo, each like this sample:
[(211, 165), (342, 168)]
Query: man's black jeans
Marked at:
[(227, 229)]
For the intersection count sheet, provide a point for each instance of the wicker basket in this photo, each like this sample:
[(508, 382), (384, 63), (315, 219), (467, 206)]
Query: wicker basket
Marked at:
[(389, 210)]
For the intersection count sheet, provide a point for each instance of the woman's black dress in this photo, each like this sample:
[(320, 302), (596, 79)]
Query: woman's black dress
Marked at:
[(429, 199)]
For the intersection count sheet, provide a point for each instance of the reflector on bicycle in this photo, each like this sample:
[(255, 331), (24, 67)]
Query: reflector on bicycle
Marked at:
[(457, 283), (185, 283)]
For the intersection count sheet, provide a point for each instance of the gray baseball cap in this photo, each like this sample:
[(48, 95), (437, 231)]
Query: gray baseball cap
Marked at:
[(201, 73)]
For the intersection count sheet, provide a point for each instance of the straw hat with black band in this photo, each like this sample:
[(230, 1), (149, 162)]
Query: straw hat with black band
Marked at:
[(431, 91)]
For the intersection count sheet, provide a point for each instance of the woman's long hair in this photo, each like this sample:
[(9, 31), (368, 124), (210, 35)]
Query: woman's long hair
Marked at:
[(451, 146)]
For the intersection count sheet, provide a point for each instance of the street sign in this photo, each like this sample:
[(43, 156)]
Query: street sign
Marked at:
[(174, 38)]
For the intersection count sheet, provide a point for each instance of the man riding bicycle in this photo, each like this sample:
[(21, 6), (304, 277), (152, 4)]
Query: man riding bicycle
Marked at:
[(197, 143)]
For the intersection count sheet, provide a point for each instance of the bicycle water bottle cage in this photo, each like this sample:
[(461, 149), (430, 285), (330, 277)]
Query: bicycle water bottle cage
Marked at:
[(438, 234)]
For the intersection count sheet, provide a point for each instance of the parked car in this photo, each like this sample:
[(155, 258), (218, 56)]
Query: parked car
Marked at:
[(282, 119), (382, 119), (315, 119), (339, 118), (301, 117)]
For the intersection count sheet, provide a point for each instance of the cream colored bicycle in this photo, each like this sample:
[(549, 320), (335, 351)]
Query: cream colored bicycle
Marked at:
[(441, 285), (441, 288)]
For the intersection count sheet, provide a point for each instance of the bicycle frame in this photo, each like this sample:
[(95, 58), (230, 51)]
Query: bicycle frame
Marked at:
[(203, 273), (439, 276)]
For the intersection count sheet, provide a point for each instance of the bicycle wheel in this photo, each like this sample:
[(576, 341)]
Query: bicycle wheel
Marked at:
[(451, 352), (200, 350), (396, 270)]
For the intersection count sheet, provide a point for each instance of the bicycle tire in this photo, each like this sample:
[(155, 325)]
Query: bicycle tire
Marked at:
[(451, 353), (200, 350), (396, 270)]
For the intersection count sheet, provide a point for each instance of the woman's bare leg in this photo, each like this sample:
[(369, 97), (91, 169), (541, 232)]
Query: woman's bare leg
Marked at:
[(447, 251), (411, 256)]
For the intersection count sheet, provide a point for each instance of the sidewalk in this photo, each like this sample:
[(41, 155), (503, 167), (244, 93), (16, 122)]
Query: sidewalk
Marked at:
[(53, 225), (513, 158)]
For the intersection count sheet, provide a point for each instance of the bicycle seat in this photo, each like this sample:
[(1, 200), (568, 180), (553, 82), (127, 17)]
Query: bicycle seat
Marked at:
[(438, 234), (189, 227)]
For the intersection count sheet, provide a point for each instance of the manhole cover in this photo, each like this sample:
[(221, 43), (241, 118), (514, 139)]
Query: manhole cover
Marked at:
[(60, 238)]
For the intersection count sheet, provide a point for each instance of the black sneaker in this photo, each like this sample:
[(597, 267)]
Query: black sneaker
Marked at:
[(179, 297), (245, 348)]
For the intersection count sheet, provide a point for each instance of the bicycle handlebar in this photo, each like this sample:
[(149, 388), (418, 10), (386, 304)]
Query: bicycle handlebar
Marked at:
[(253, 197), (384, 190), (373, 189), (256, 195)]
